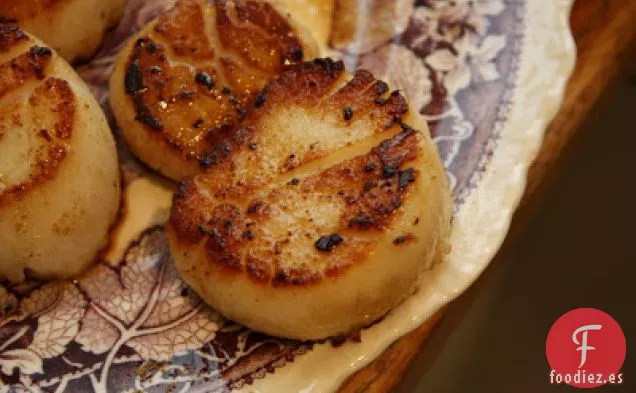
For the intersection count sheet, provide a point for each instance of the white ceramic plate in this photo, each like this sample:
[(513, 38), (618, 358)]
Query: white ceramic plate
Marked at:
[(488, 75)]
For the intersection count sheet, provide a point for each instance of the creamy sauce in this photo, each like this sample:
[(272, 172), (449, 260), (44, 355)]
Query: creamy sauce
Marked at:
[(147, 203)]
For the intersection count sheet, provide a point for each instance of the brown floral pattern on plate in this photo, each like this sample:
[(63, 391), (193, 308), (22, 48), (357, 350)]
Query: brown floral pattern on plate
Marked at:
[(136, 327)]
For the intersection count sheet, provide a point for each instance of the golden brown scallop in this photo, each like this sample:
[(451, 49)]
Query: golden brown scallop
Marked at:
[(320, 212), (186, 78), (59, 175), (74, 28)]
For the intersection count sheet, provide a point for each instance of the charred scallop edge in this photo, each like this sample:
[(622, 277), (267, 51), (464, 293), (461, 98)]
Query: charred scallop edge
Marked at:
[(46, 169), (187, 222), (134, 86)]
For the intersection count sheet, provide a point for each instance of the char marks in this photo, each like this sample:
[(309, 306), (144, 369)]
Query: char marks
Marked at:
[(16, 10), (261, 208), (48, 111), (24, 68), (10, 34), (280, 220), (192, 76), (312, 96), (55, 102)]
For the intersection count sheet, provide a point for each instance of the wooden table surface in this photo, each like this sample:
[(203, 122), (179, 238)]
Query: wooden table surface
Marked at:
[(605, 32)]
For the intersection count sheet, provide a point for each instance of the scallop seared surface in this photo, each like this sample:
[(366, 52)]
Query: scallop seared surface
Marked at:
[(59, 176), (187, 78), (320, 212), (74, 28)]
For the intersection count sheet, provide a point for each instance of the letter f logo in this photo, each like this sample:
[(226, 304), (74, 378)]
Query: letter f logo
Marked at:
[(584, 347)]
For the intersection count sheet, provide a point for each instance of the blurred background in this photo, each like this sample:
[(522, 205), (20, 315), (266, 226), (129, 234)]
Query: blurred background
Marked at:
[(578, 249)]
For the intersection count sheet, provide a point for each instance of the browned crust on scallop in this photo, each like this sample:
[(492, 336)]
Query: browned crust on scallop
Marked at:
[(23, 68), (269, 52), (53, 99), (56, 96), (10, 34), (26, 9), (183, 29), (371, 187), (308, 85), (384, 178), (186, 107)]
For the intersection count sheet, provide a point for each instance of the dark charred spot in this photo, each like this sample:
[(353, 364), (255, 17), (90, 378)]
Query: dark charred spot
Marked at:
[(255, 207), (37, 54), (406, 127), (370, 167), (403, 239), (417, 221), (234, 100), (388, 171), (328, 242), (381, 87), (226, 90), (151, 47), (155, 70), (253, 146), (133, 79), (223, 128), (257, 270), (247, 234), (45, 134), (380, 101), (347, 113), (207, 161), (260, 100), (281, 276), (369, 185), (362, 221), (296, 54), (338, 341), (149, 120), (405, 177), (197, 123), (39, 51), (215, 237), (186, 95), (228, 223), (294, 182), (184, 292), (203, 78)]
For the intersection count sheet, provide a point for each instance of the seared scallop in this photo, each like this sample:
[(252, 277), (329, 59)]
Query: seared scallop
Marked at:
[(320, 212), (59, 175), (187, 78), (74, 28)]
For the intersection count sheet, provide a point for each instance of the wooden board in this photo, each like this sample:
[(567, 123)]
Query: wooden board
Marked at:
[(605, 33)]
